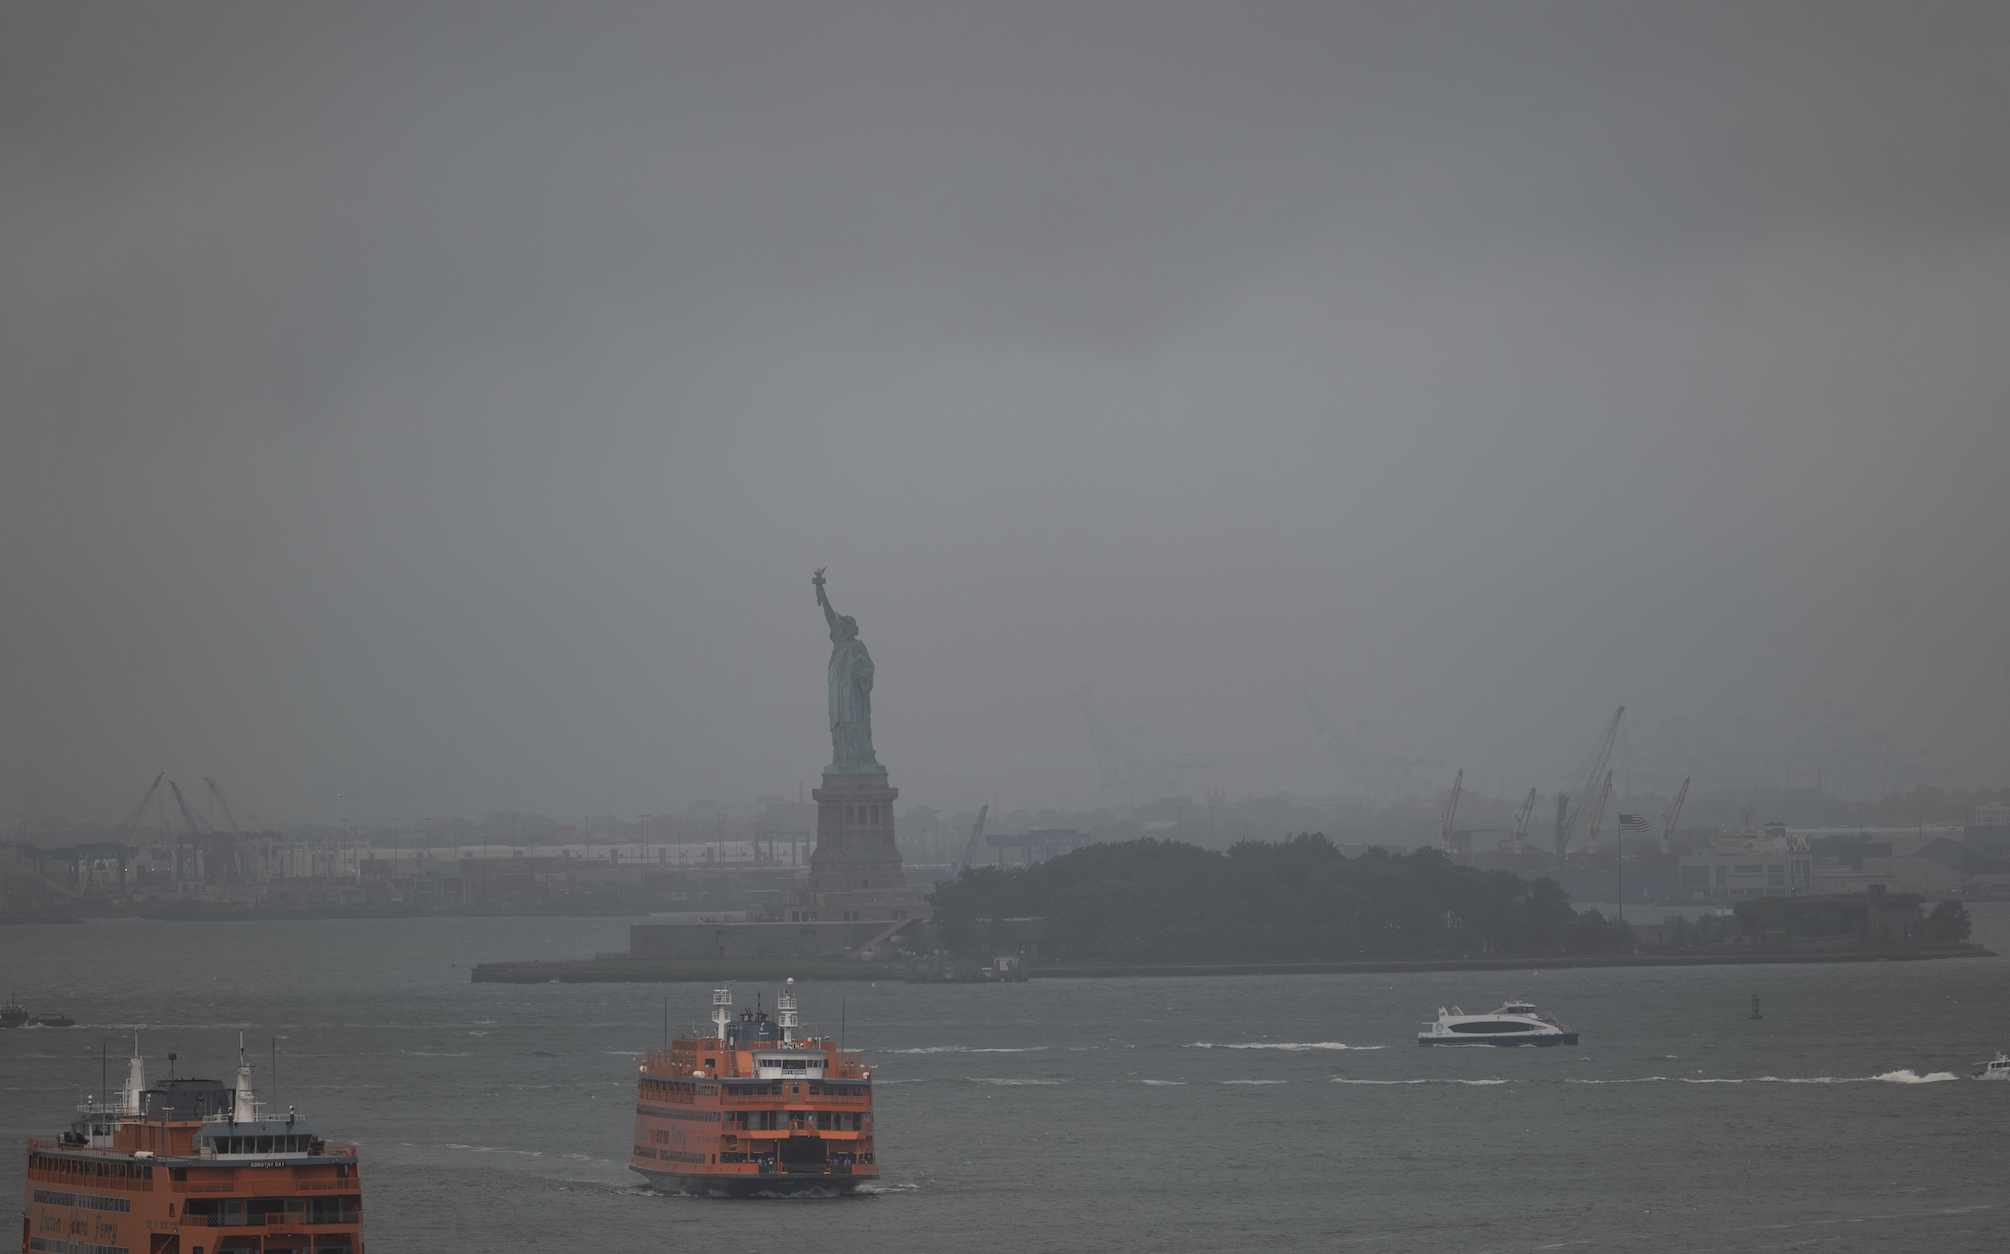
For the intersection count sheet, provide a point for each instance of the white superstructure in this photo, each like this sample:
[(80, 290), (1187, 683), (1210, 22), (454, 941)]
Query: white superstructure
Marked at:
[(1515, 1023)]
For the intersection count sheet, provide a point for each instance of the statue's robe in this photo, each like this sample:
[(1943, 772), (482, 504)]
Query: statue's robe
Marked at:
[(851, 705)]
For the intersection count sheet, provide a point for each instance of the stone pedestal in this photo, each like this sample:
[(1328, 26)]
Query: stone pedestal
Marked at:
[(855, 872)]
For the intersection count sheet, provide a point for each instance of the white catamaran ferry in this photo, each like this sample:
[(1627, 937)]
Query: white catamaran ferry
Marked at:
[(1515, 1023)]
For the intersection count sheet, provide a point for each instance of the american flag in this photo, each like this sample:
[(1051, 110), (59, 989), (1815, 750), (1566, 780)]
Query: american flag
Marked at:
[(1634, 823)]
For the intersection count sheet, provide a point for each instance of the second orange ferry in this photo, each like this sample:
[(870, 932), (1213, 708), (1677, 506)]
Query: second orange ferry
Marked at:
[(754, 1110), (190, 1167)]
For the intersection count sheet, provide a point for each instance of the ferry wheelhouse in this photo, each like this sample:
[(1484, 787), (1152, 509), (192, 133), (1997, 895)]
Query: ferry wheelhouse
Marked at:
[(190, 1167), (754, 1110)]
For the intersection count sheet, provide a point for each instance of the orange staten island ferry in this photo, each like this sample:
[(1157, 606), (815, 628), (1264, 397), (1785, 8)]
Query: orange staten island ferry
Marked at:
[(754, 1110), (190, 1167)]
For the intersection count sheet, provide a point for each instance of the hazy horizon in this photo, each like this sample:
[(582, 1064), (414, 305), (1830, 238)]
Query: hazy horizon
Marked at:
[(454, 401)]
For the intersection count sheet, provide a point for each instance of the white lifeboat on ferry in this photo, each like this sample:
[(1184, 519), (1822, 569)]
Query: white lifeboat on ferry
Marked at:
[(1515, 1023)]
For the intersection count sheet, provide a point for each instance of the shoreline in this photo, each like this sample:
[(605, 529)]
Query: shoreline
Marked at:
[(631, 971)]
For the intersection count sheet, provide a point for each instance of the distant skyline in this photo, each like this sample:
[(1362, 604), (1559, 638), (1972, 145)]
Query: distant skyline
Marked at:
[(454, 401)]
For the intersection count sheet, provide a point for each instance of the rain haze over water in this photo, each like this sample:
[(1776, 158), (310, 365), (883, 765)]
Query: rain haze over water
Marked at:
[(428, 419), (452, 402)]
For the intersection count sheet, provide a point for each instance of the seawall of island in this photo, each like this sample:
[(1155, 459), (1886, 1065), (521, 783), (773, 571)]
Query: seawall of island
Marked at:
[(672, 971)]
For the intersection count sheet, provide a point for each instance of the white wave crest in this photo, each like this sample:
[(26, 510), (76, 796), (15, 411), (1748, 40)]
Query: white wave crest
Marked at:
[(1163, 1083), (967, 1049), (986, 1079), (1296, 1047), (1340, 1080), (1255, 1081), (1646, 1079), (1902, 1076)]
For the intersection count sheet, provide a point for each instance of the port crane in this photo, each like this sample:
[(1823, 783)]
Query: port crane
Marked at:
[(1451, 811), (1140, 767), (976, 834), (230, 808), (1582, 778), (1521, 820), (1369, 766), (126, 830), (1674, 809), (1597, 815), (196, 827)]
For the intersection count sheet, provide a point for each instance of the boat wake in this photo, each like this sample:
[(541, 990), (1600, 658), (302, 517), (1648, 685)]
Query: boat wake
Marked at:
[(1907, 1077), (1432, 1080), (1902, 1076)]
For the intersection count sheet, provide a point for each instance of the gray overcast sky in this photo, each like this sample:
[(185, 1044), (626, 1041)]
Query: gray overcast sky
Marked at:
[(462, 395)]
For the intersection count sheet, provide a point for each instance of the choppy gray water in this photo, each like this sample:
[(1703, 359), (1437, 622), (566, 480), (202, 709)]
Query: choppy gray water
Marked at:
[(1285, 1113)]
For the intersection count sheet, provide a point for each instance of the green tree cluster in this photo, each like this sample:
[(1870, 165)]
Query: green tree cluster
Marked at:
[(1300, 899), (1948, 922)]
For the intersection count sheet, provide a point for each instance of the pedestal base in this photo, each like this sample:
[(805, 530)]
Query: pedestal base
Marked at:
[(855, 872)]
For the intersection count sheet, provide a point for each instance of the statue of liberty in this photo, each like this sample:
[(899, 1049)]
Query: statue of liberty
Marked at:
[(850, 693)]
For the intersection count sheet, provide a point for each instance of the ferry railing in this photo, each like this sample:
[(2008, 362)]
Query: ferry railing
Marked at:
[(276, 1219)]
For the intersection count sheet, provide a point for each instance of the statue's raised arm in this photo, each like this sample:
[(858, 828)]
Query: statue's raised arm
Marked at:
[(830, 615)]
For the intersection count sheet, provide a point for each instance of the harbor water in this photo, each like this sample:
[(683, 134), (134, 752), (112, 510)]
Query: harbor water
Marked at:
[(1275, 1113)]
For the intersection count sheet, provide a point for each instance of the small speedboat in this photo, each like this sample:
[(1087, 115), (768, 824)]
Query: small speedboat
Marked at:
[(1997, 1068), (56, 1021), (1515, 1023)]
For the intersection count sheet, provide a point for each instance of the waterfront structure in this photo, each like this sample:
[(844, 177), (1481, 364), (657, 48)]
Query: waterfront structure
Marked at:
[(1873, 915), (190, 1167), (754, 1111), (1758, 872)]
